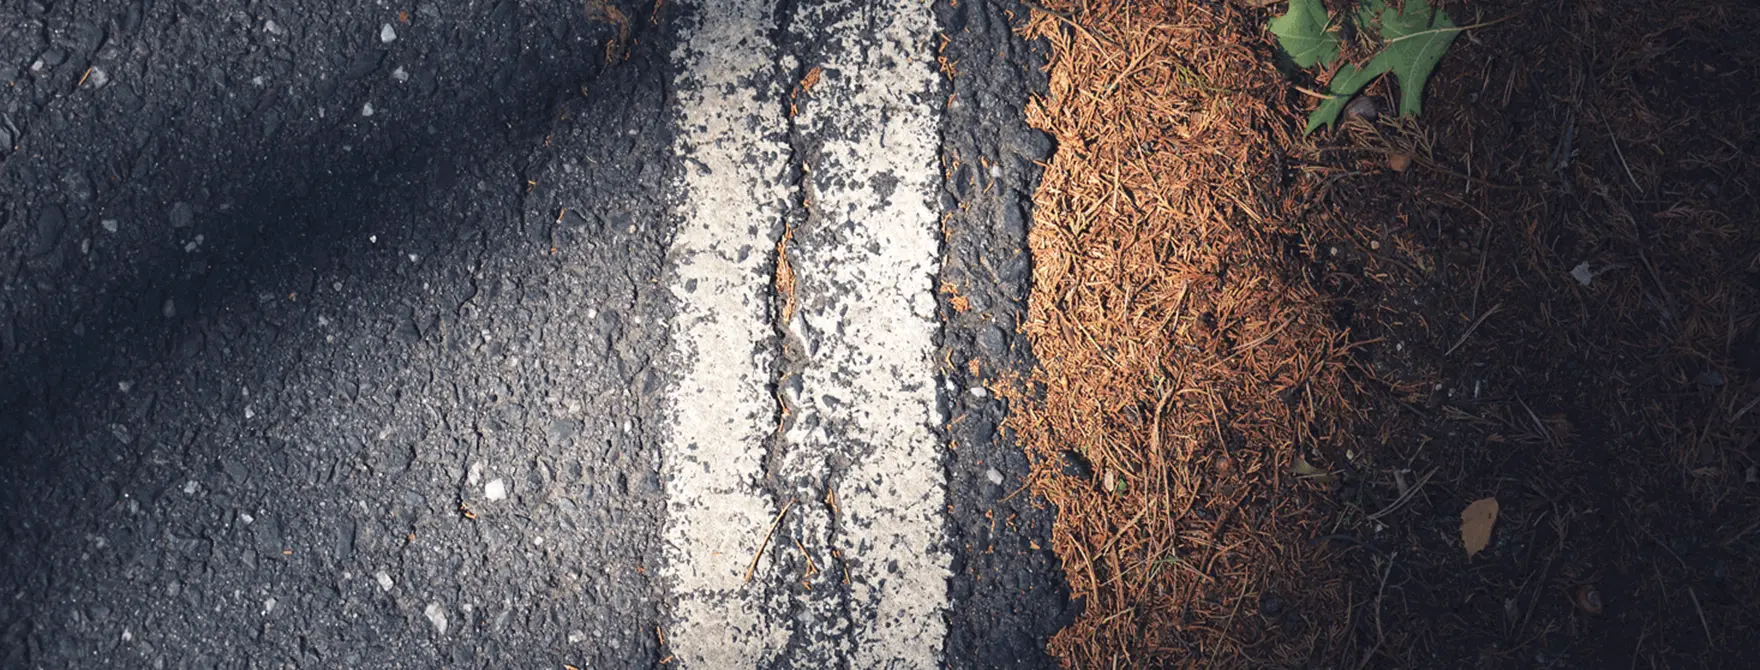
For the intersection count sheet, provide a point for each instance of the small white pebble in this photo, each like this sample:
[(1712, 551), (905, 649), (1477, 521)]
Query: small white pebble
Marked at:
[(994, 476), (268, 606), (538, 541), (437, 616), (246, 518), (273, 27), (367, 109), (979, 392), (127, 635), (250, 413), (399, 74), (125, 385), (496, 489), (387, 34), (190, 487), (110, 225), (383, 579)]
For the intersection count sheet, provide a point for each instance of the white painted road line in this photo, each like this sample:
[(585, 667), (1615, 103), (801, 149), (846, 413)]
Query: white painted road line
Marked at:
[(734, 192), (864, 259), (865, 263)]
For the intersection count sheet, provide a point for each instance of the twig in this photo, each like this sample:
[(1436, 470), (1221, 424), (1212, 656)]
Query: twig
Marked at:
[(1428, 165), (1314, 93), (1258, 340), (1453, 29), (1744, 409), (1066, 18), (773, 526), (1541, 425), (1707, 627), (1470, 329), (1380, 634), (1621, 154), (1404, 497)]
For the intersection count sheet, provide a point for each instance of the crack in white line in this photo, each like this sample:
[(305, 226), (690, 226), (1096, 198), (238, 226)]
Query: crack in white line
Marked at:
[(734, 192), (865, 261)]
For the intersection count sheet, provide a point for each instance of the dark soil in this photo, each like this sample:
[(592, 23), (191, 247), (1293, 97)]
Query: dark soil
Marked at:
[(1609, 412)]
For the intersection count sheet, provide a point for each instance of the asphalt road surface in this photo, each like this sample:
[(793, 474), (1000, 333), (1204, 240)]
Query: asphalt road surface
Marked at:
[(516, 333)]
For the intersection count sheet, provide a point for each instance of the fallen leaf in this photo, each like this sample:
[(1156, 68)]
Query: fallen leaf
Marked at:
[(1306, 470), (1303, 34), (1415, 36), (1476, 523)]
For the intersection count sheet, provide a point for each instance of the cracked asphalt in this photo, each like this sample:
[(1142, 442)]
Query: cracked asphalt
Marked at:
[(346, 335)]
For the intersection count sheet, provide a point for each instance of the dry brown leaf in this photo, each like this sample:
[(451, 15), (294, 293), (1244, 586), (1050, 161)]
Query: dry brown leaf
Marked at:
[(1476, 523)]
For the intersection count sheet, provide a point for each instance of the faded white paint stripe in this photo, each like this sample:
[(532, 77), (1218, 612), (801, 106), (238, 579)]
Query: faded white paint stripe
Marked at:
[(865, 263), (733, 195)]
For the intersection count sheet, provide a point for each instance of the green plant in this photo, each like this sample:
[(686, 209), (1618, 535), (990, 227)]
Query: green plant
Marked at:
[(1412, 39)]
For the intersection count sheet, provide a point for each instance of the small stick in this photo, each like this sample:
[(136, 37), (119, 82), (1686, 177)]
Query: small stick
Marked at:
[(1071, 20), (1470, 329), (1621, 154), (1404, 497), (1744, 409), (1541, 425), (773, 525), (1708, 641), (1380, 633)]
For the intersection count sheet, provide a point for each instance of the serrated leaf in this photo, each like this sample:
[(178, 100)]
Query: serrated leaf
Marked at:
[(1302, 34), (1345, 84), (1414, 40)]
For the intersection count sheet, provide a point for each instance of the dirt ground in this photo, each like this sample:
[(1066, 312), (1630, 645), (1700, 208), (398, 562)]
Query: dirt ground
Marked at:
[(1275, 369)]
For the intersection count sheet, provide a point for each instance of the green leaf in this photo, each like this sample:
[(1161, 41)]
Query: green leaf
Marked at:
[(1413, 42), (1345, 84), (1416, 39), (1302, 34)]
